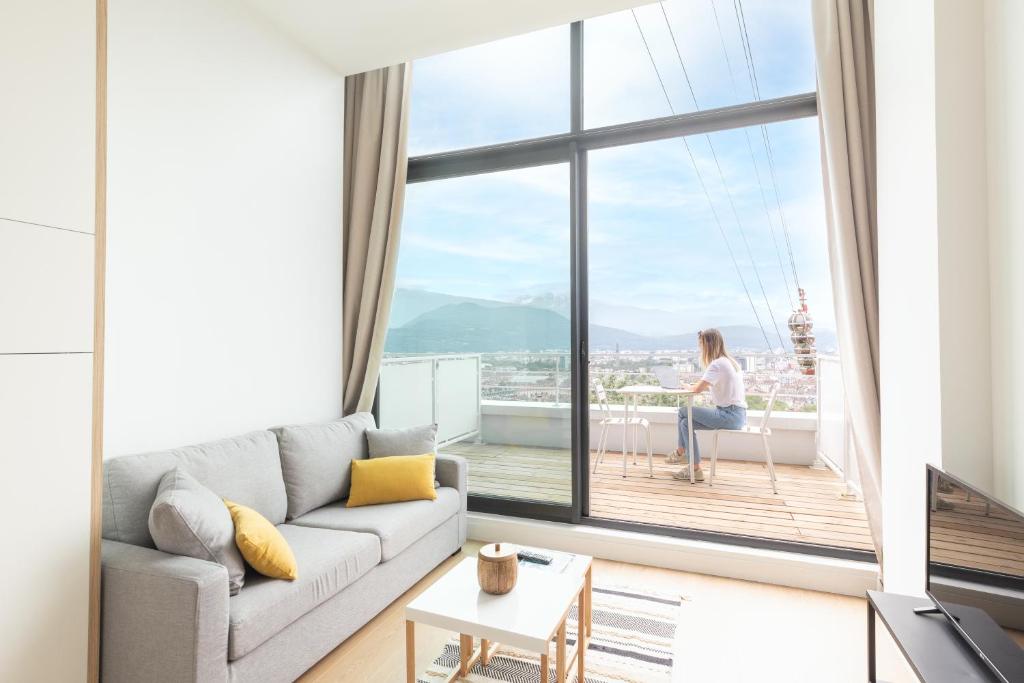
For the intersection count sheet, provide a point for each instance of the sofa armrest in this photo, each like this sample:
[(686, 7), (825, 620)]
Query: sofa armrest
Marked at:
[(164, 617), (453, 471)]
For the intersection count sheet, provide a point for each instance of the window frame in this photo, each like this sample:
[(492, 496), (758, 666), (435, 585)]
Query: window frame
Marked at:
[(572, 148)]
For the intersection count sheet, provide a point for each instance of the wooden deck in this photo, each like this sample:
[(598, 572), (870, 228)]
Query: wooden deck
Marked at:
[(809, 507), (969, 533)]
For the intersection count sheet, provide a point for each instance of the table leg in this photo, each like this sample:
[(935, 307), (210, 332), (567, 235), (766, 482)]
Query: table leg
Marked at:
[(582, 626), (410, 651), (871, 644), (485, 651), (465, 652), (581, 652), (636, 427), (689, 432), (544, 666), (625, 421), (560, 667), (589, 590)]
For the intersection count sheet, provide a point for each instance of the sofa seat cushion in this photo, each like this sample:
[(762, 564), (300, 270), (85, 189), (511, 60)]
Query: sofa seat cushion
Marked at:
[(398, 525), (328, 562)]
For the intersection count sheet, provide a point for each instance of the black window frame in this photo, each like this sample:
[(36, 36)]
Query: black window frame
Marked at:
[(572, 147)]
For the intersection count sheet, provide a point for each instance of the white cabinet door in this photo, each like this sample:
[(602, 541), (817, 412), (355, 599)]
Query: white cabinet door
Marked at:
[(46, 288), (46, 422)]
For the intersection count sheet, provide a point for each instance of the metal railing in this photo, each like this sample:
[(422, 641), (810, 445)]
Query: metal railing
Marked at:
[(546, 377)]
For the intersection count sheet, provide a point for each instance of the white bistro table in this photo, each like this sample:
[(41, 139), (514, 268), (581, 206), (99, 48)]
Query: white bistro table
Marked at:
[(630, 393), (528, 617)]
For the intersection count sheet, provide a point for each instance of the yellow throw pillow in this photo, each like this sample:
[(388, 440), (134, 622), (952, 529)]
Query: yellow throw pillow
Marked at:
[(392, 480), (261, 544)]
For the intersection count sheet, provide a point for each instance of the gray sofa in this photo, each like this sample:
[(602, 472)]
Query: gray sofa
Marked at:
[(170, 618)]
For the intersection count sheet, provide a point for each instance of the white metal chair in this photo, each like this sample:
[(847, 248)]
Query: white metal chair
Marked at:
[(607, 420), (762, 431)]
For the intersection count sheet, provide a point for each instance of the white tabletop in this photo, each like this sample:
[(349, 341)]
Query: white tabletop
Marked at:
[(651, 389), (525, 618)]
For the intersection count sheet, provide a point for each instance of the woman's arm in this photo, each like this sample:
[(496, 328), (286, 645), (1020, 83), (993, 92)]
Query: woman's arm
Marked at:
[(700, 386)]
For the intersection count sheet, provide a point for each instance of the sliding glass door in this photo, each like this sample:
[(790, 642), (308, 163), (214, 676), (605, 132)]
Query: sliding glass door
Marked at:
[(481, 324), (580, 201)]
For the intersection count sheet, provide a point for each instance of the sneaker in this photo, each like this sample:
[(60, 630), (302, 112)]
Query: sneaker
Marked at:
[(684, 475), (674, 458)]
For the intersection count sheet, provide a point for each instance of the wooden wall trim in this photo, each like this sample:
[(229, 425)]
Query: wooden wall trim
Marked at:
[(99, 292)]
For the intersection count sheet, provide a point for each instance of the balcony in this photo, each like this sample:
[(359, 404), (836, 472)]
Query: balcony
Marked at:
[(518, 447)]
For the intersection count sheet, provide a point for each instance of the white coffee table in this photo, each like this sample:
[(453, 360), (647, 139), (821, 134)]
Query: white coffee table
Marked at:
[(527, 618)]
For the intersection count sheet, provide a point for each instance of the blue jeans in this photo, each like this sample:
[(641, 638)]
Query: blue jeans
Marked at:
[(729, 417)]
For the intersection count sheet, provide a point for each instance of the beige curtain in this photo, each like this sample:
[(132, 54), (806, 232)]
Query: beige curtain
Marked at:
[(376, 121), (846, 115)]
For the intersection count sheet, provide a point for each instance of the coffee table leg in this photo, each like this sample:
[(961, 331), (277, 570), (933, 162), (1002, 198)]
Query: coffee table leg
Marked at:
[(485, 651), (465, 652), (544, 666), (581, 634), (589, 590), (560, 655), (410, 652)]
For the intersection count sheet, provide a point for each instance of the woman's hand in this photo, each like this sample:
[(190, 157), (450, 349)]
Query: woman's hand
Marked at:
[(698, 387)]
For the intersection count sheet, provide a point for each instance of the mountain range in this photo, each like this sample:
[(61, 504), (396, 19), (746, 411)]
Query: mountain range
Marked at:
[(430, 322)]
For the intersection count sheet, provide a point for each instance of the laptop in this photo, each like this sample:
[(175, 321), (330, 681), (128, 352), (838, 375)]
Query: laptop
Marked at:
[(667, 376)]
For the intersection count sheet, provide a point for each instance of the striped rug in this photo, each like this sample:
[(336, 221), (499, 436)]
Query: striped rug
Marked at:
[(632, 642)]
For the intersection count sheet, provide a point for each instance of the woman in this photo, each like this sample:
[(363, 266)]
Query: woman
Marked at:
[(722, 375)]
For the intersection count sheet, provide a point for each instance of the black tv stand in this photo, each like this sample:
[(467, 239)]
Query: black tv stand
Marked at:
[(932, 647)]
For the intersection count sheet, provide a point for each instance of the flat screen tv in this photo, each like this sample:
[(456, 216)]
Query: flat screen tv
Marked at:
[(976, 570)]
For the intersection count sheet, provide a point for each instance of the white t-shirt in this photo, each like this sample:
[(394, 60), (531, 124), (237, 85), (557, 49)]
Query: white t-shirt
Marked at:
[(726, 383)]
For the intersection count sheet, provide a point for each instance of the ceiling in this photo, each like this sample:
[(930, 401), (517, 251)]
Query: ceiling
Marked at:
[(358, 35)]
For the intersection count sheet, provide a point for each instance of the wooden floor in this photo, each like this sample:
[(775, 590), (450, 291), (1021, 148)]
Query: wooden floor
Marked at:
[(969, 533), (730, 631), (809, 508)]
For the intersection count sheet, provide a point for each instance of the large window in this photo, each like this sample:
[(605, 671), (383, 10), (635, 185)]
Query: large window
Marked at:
[(663, 235), (581, 201), (472, 97), (712, 40)]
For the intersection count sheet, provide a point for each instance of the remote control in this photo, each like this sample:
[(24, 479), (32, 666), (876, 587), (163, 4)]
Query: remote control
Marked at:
[(536, 558)]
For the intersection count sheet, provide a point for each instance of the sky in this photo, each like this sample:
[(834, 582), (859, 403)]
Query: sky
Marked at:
[(655, 241)]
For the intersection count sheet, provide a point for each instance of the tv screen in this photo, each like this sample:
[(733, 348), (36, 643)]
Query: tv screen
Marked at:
[(976, 570)]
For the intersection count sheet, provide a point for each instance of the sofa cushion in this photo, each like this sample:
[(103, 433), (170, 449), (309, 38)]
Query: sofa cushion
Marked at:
[(409, 441), (398, 525), (392, 480), (245, 469), (261, 544), (328, 561), (189, 519), (315, 460)]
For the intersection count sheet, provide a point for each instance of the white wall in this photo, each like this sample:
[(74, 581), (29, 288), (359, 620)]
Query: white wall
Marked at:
[(1004, 101), (47, 198), (963, 242), (908, 248), (224, 231), (950, 216)]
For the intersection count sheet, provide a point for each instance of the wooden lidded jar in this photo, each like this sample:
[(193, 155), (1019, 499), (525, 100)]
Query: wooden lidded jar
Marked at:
[(497, 567)]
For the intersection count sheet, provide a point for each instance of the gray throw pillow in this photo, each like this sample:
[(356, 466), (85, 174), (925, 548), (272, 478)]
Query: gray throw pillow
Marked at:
[(189, 519), (408, 441)]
